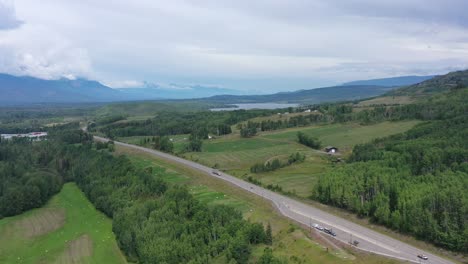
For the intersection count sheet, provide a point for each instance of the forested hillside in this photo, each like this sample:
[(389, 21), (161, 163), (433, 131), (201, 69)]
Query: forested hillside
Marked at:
[(414, 182), (443, 83), (310, 96)]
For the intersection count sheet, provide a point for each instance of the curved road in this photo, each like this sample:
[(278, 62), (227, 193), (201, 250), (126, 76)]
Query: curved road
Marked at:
[(345, 230)]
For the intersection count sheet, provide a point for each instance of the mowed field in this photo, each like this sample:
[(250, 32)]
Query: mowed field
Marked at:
[(236, 155), (67, 230), (292, 243)]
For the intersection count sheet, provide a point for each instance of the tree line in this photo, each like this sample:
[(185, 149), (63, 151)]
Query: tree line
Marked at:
[(277, 164), (31, 172), (176, 123)]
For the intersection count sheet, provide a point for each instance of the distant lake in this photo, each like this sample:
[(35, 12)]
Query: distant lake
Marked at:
[(255, 106)]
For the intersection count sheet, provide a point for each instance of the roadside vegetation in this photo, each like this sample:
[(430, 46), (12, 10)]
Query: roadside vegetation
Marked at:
[(291, 243)]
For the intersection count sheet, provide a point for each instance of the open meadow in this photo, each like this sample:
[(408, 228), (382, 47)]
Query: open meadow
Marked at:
[(236, 155), (67, 230)]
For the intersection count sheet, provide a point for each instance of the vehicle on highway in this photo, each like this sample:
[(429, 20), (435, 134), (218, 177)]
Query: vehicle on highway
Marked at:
[(329, 231), (318, 227), (216, 173), (423, 257)]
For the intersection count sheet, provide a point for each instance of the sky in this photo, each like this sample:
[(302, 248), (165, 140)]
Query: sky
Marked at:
[(254, 46)]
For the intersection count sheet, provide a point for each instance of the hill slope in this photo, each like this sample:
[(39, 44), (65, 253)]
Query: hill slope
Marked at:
[(442, 83), (25, 89), (393, 81), (174, 91), (326, 94)]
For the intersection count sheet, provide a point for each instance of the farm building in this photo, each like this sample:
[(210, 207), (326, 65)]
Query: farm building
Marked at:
[(33, 135), (331, 149)]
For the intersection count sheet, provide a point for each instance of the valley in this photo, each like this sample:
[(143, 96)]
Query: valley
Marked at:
[(263, 171)]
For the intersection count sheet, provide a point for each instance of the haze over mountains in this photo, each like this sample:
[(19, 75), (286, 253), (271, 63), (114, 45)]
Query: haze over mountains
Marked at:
[(24, 89), (174, 91)]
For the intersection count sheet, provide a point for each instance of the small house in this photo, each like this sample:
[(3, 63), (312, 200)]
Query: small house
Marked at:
[(307, 111), (331, 149)]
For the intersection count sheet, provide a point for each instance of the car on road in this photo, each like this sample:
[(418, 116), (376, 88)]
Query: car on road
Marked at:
[(216, 173), (329, 231), (318, 227), (423, 257)]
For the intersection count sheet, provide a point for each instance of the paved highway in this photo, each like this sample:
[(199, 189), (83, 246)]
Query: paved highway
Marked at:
[(306, 214)]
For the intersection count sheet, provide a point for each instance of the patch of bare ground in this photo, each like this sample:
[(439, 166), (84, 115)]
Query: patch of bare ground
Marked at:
[(77, 251), (43, 222)]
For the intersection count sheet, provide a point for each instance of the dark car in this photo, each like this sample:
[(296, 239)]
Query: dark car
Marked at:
[(423, 257), (216, 173), (329, 231)]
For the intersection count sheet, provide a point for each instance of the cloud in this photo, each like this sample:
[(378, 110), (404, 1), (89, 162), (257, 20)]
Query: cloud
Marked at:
[(125, 84), (242, 44), (40, 52), (8, 18)]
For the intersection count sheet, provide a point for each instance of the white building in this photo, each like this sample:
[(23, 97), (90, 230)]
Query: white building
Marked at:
[(33, 135)]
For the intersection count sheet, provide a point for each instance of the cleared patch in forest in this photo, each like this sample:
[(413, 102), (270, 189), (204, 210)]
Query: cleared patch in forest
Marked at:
[(43, 222), (76, 233), (77, 251)]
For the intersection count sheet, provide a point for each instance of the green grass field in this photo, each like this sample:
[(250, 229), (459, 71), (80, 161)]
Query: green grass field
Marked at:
[(236, 155), (345, 136), (387, 100), (67, 230), (179, 141)]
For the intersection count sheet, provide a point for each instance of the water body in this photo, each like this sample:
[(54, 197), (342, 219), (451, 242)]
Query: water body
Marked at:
[(255, 106)]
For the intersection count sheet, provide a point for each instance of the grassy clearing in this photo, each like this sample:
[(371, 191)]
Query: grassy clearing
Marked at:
[(236, 155), (71, 231), (345, 136), (179, 141), (291, 242), (387, 100), (298, 178), (282, 116)]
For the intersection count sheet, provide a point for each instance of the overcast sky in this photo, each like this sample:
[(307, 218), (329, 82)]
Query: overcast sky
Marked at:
[(250, 45)]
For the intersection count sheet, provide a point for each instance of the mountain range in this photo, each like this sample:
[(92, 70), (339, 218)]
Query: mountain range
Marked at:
[(393, 81), (174, 91), (25, 89)]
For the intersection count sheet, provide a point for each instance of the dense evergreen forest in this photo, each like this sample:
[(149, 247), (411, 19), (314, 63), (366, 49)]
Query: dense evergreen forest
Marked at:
[(154, 222), (415, 182), (31, 172), (27, 177)]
